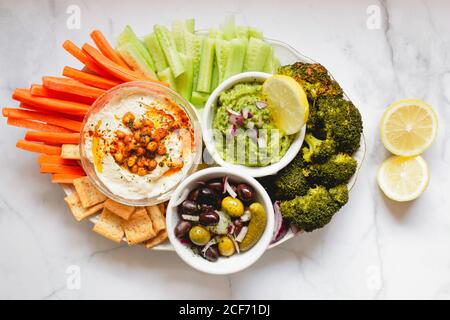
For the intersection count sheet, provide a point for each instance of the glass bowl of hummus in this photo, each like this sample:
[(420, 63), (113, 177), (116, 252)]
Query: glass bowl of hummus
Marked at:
[(139, 141)]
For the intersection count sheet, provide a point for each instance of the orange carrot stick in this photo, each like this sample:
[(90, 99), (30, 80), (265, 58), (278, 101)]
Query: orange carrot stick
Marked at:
[(28, 107), (48, 118), (60, 168), (45, 158), (50, 104), (110, 66), (105, 48), (64, 177), (84, 58), (53, 137), (41, 91), (38, 147), (67, 85), (90, 79), (28, 124)]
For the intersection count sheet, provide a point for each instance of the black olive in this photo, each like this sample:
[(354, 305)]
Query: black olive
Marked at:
[(206, 208), (193, 195), (212, 254), (206, 196), (189, 207), (209, 218), (182, 228), (245, 193)]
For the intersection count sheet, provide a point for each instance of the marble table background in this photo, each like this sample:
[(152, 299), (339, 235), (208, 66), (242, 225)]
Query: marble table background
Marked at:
[(373, 249)]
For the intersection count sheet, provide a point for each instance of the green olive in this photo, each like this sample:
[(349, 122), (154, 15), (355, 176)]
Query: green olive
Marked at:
[(199, 235), (226, 246), (232, 206)]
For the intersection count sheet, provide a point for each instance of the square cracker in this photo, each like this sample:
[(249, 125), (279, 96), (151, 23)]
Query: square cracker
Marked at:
[(157, 217), (70, 151), (119, 209), (160, 237), (139, 227), (74, 203), (109, 226), (88, 193)]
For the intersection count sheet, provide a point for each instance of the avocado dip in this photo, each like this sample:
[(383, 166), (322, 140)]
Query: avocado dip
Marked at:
[(244, 131)]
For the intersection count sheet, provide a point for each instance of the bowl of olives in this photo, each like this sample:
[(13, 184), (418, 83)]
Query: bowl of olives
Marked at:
[(220, 221)]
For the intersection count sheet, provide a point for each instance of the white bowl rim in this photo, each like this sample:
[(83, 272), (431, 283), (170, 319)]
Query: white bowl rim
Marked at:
[(206, 122), (198, 262)]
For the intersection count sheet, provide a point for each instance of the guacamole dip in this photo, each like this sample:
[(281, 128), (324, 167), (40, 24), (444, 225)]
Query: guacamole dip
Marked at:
[(244, 131)]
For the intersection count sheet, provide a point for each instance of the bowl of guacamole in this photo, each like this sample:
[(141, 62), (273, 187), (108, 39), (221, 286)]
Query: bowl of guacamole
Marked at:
[(239, 131)]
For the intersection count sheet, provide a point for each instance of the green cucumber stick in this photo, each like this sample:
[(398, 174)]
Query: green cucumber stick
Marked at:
[(156, 52), (222, 52), (167, 76), (229, 28), (135, 60), (185, 80), (169, 48), (236, 57), (206, 65), (257, 53), (193, 49), (128, 36), (199, 99)]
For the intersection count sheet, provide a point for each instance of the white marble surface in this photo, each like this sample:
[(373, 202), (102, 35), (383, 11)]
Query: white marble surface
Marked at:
[(374, 248)]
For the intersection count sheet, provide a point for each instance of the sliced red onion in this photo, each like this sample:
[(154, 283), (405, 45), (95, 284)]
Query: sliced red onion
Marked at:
[(229, 189), (245, 112), (283, 230), (184, 241), (231, 228), (246, 216), (236, 245), (182, 197), (189, 217), (261, 104), (278, 219), (242, 234), (237, 120), (250, 125), (250, 115), (231, 111), (211, 242), (233, 130)]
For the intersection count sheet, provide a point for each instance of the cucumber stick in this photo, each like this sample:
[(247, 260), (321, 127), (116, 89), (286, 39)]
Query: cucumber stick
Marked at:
[(236, 57), (215, 76), (185, 80), (271, 65), (257, 53), (222, 52), (155, 50), (229, 28), (253, 33), (133, 43), (169, 48), (167, 76), (178, 34), (135, 60), (193, 50), (206, 65), (199, 99)]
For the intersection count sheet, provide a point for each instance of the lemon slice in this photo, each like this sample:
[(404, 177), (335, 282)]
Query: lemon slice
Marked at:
[(408, 127), (403, 178), (287, 102)]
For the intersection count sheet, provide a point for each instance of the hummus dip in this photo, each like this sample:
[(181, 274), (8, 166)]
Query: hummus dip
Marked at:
[(141, 145)]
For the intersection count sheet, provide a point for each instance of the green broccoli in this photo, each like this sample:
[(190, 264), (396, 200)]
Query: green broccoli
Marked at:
[(317, 150), (314, 78), (339, 169), (341, 121), (290, 181), (339, 194), (311, 211)]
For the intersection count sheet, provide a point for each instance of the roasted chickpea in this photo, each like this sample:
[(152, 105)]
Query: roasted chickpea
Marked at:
[(140, 151), (127, 138), (128, 118), (134, 169), (147, 123), (120, 134), (137, 124), (177, 164), (161, 150), (159, 134), (144, 140), (118, 157), (141, 162), (131, 161), (152, 146), (152, 164), (146, 131), (112, 149), (131, 146), (137, 136), (142, 172)]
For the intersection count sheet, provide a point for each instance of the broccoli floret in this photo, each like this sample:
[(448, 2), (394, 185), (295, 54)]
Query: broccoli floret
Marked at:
[(341, 121), (317, 150), (339, 194), (311, 211), (339, 169), (314, 78), (290, 181)]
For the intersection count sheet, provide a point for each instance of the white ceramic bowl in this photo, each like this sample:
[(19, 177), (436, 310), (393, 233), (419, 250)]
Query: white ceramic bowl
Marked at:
[(207, 120), (237, 262)]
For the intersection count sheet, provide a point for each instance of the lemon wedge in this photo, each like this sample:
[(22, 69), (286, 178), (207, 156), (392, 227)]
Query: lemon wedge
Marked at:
[(408, 127), (403, 178), (287, 103)]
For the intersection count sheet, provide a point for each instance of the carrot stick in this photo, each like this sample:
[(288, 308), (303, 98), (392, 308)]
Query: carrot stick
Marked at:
[(70, 86), (60, 168), (38, 147), (48, 118), (90, 79), (53, 137), (64, 177), (84, 58), (45, 158), (23, 123), (105, 48), (110, 66), (41, 91), (50, 104), (28, 107)]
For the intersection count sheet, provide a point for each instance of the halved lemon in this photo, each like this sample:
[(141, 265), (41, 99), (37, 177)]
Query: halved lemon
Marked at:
[(408, 127), (287, 102), (403, 178)]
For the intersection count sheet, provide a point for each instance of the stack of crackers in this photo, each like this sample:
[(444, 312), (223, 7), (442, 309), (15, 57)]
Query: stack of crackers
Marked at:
[(146, 225)]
